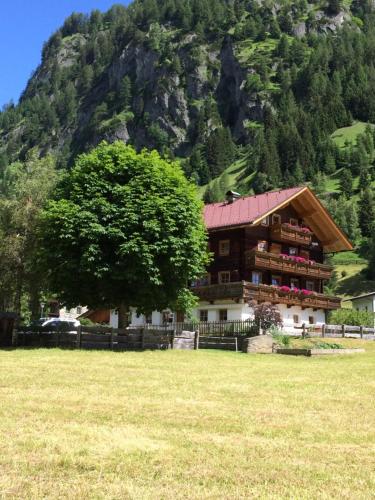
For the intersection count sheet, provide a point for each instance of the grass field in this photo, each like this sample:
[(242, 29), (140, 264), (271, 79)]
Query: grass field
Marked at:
[(174, 425), (348, 134)]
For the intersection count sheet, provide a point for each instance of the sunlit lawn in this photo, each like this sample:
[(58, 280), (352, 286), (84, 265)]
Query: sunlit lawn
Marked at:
[(186, 425)]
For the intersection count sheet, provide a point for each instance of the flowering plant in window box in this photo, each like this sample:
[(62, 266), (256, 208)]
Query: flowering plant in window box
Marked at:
[(284, 289), (302, 229)]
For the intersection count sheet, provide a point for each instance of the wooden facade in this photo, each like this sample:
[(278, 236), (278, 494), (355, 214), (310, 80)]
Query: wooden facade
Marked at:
[(279, 260)]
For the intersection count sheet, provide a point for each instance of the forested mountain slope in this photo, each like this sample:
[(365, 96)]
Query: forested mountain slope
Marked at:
[(204, 80), (250, 94)]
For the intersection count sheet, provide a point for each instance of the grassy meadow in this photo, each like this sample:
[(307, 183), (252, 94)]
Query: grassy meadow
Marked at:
[(176, 425)]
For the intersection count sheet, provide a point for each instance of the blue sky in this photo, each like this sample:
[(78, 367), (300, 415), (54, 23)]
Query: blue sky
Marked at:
[(25, 25)]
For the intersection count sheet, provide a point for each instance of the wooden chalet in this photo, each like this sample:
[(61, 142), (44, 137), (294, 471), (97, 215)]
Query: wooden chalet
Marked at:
[(269, 247)]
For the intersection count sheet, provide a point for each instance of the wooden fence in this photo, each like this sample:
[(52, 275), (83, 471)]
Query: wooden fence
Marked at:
[(135, 339), (228, 335), (336, 331)]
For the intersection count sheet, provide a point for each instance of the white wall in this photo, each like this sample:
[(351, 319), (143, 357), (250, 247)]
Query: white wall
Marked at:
[(236, 312), (365, 304), (73, 313), (288, 314)]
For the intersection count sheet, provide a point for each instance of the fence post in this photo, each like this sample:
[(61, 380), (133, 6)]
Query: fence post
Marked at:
[(303, 330), (142, 338), (361, 331), (112, 338), (196, 340), (15, 337), (343, 331), (236, 342), (173, 333), (323, 330), (79, 335)]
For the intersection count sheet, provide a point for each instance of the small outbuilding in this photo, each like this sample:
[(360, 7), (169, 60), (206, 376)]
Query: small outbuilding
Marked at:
[(364, 302)]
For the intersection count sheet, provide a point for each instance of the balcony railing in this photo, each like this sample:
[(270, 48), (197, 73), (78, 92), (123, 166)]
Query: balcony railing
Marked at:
[(224, 291), (246, 291), (264, 260), (290, 234), (267, 293)]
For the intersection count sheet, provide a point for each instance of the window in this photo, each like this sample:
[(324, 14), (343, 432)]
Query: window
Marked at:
[(262, 246), (167, 317), (276, 280), (293, 222), (266, 221), (79, 310), (293, 251), (276, 219), (148, 319), (310, 286), (295, 319), (224, 248), (204, 281), (224, 277), (275, 248), (256, 278), (223, 315), (294, 283), (203, 315), (311, 320), (305, 254)]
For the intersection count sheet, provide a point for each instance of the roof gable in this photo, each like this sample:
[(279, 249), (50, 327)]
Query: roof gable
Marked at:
[(252, 210), (245, 210)]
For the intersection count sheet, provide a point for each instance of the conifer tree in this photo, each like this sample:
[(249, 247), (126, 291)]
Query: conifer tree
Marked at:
[(346, 183), (366, 207)]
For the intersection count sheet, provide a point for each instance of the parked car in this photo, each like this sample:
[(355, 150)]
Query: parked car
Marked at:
[(56, 324)]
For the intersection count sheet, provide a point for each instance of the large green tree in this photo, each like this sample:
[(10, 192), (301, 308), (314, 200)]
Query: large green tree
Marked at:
[(125, 229), (24, 189)]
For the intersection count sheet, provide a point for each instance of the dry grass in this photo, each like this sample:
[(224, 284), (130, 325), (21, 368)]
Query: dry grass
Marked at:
[(173, 425)]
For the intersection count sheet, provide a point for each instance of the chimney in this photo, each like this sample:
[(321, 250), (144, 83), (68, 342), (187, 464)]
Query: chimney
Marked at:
[(232, 196)]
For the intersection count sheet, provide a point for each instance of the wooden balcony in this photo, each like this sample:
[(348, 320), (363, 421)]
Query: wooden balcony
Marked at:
[(289, 234), (267, 293), (273, 262), (225, 291), (246, 291)]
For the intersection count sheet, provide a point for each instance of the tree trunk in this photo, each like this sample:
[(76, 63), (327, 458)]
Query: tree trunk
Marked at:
[(123, 316), (34, 302), (18, 291)]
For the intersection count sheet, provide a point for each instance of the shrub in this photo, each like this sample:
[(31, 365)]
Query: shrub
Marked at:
[(266, 316), (351, 317), (327, 345), (280, 339)]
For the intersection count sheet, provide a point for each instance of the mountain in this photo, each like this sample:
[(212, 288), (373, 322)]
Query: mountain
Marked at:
[(217, 83)]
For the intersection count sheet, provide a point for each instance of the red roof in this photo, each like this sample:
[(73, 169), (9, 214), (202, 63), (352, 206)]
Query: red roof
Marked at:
[(245, 210)]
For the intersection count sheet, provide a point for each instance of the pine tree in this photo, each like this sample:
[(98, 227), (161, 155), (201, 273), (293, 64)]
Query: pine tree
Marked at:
[(346, 183), (125, 93), (298, 174), (364, 179), (366, 207), (370, 271)]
